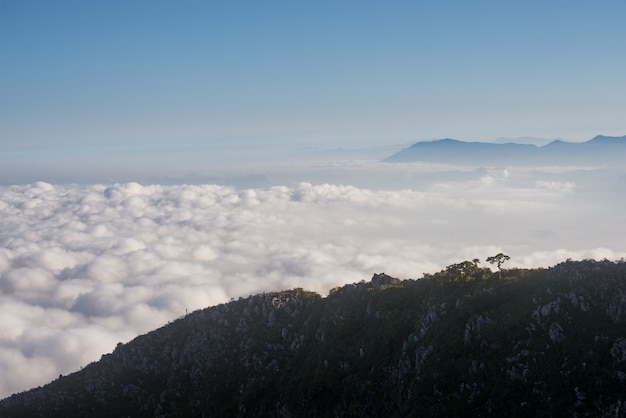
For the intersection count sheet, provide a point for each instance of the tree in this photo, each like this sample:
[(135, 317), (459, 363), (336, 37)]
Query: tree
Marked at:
[(462, 272), (498, 259)]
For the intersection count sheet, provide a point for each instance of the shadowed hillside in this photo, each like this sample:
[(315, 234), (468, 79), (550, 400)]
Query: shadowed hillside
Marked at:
[(465, 341)]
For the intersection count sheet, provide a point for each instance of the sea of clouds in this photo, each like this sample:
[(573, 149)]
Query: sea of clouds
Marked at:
[(83, 267)]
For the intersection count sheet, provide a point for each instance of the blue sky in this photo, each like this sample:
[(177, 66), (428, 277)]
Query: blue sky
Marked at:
[(91, 77)]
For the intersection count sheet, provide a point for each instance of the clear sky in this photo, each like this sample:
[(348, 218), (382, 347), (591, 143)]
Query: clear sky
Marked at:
[(161, 75)]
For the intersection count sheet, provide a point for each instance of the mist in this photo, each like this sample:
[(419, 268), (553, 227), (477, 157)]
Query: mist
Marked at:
[(84, 266)]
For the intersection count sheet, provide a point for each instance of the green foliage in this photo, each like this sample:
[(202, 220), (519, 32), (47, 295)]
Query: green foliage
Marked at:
[(463, 272), (461, 342)]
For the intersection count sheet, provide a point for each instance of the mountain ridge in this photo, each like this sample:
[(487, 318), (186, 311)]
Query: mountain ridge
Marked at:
[(464, 341), (600, 150)]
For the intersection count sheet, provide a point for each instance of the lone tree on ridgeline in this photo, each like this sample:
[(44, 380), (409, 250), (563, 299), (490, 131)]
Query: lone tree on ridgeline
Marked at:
[(498, 259)]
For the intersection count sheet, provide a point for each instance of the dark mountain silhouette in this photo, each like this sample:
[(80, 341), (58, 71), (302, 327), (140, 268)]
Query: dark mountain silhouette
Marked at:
[(599, 151), (462, 342)]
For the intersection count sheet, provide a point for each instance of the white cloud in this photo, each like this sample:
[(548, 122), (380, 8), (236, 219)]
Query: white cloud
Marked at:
[(21, 372), (83, 267)]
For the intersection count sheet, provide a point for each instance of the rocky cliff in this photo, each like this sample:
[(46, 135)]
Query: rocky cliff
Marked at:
[(462, 342)]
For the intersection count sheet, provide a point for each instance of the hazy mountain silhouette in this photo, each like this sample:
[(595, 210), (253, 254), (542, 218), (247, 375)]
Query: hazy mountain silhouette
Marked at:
[(599, 151), (525, 140)]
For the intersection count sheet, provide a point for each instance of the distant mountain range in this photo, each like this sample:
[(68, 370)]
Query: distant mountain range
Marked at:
[(462, 342), (599, 151)]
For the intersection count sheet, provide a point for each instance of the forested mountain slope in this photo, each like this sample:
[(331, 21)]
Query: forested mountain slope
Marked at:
[(462, 342)]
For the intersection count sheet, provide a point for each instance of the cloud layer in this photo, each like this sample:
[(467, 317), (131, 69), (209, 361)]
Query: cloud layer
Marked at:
[(85, 267)]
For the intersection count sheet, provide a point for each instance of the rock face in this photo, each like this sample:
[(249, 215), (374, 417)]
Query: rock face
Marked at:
[(541, 342), (383, 279)]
